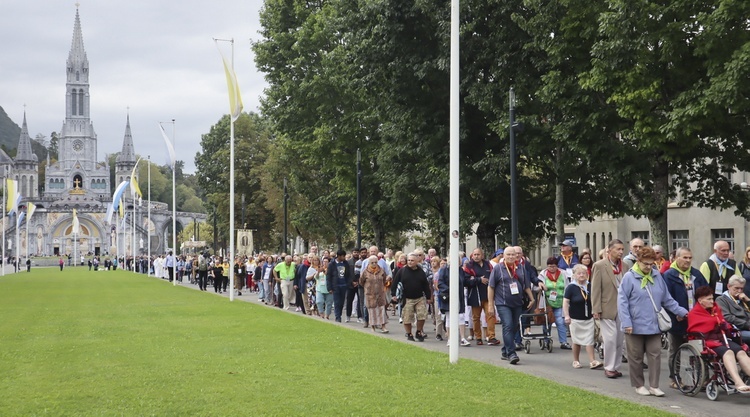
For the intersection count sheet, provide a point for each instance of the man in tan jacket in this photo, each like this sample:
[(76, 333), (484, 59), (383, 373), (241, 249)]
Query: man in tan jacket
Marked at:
[(606, 276)]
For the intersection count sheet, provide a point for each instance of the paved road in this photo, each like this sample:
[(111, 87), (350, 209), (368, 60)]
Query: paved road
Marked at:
[(556, 366)]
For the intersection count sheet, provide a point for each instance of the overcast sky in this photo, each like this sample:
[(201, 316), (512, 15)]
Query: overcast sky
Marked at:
[(156, 57)]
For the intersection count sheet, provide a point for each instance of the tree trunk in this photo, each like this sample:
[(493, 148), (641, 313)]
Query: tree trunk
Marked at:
[(659, 199), (559, 198), (486, 238)]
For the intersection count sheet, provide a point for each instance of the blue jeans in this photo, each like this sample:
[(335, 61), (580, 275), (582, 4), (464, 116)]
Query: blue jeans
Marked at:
[(509, 317), (562, 332), (324, 302), (339, 298)]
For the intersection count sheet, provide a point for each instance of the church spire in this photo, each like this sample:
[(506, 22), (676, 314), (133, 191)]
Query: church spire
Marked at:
[(24, 152), (78, 63), (127, 155)]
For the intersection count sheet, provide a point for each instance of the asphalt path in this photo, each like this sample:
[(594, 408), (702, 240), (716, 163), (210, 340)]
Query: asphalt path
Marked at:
[(555, 366)]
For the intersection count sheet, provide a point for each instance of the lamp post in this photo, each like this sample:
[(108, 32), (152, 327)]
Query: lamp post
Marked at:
[(286, 218), (513, 181), (359, 200), (243, 211)]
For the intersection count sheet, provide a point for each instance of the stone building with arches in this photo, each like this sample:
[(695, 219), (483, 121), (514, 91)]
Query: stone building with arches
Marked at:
[(77, 180)]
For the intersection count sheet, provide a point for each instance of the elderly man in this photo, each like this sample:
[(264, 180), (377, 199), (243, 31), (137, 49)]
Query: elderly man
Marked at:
[(719, 268), (416, 293), (629, 260), (606, 276), (682, 280), (735, 306), (661, 263), (507, 285), (567, 259), (476, 276), (283, 273)]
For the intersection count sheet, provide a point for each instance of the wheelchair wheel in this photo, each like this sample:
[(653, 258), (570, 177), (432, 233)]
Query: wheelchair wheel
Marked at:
[(665, 341), (712, 390), (690, 370), (549, 345), (600, 349)]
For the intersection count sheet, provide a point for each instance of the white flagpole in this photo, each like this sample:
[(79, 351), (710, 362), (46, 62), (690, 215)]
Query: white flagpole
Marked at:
[(27, 236), (174, 206), (18, 241), (231, 197), (148, 227), (5, 216), (453, 260)]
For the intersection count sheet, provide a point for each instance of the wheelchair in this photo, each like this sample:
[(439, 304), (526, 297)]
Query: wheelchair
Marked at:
[(697, 367)]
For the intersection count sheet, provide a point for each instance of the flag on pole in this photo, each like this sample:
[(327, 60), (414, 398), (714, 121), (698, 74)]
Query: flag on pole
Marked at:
[(12, 190), (170, 147), (235, 100), (135, 191), (30, 208), (20, 219), (116, 200), (76, 224)]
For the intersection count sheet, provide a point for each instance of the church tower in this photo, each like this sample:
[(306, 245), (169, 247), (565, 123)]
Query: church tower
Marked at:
[(26, 165), (126, 159), (77, 170)]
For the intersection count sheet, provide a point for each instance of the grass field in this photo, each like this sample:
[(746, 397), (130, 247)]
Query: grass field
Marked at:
[(115, 343)]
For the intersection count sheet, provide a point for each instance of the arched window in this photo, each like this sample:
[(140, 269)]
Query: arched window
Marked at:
[(80, 102), (78, 76), (23, 186), (32, 192), (74, 102)]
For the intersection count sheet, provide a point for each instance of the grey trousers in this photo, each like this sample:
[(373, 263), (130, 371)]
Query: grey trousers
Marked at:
[(638, 347)]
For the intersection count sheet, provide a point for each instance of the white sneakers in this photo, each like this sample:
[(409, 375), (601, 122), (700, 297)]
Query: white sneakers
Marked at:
[(656, 392)]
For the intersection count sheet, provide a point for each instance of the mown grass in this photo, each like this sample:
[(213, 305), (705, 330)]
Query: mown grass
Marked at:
[(115, 343)]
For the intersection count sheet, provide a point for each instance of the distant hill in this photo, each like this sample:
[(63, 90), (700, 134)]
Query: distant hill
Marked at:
[(9, 131)]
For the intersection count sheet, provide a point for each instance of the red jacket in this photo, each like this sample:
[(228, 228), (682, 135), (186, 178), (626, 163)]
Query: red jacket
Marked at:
[(700, 320)]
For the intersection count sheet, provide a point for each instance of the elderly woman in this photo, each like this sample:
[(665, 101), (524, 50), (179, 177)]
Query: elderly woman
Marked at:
[(734, 305), (707, 318), (554, 280), (639, 321), (372, 279), (577, 311)]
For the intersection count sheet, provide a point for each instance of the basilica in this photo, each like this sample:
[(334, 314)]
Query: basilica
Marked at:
[(78, 181)]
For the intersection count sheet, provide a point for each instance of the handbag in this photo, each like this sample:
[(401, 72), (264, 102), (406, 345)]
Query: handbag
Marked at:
[(665, 322)]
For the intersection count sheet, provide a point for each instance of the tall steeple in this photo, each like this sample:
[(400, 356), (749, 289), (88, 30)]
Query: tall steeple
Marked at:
[(126, 159), (26, 164), (78, 63), (24, 153)]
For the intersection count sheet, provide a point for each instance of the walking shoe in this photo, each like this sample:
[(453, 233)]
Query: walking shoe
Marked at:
[(367, 324), (400, 320), (514, 359), (348, 319), (656, 392), (645, 366), (338, 320), (359, 320), (624, 359), (565, 346), (610, 374), (438, 337), (519, 346), (410, 337), (465, 342), (479, 342), (504, 357), (643, 391), (420, 336), (493, 342)]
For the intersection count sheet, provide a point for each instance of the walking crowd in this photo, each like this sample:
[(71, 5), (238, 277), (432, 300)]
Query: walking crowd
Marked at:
[(610, 305)]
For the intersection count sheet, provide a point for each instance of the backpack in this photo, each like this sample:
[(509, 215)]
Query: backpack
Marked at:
[(202, 266)]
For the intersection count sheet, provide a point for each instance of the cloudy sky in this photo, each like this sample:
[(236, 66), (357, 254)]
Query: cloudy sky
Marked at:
[(155, 57)]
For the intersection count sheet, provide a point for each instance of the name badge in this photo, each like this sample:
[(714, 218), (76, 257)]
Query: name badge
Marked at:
[(719, 288), (553, 296), (514, 288)]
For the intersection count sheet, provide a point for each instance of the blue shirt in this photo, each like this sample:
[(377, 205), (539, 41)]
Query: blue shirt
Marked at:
[(501, 281)]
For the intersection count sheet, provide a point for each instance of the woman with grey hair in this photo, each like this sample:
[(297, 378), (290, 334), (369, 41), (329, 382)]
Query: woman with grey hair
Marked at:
[(735, 306), (578, 315)]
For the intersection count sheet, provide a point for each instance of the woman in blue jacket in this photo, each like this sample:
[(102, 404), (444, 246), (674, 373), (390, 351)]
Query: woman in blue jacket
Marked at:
[(639, 321)]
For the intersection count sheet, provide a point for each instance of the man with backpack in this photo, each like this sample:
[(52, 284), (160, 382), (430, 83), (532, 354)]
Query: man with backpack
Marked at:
[(202, 272)]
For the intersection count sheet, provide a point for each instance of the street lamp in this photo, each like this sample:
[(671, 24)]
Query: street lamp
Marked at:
[(286, 217), (359, 200), (514, 127)]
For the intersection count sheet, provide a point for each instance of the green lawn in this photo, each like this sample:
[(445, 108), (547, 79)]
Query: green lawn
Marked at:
[(115, 343)]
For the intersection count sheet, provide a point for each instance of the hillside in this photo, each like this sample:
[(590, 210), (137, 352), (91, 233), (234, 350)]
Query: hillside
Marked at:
[(9, 131)]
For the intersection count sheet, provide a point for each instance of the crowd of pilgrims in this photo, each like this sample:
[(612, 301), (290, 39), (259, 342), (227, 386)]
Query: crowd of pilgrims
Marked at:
[(609, 302)]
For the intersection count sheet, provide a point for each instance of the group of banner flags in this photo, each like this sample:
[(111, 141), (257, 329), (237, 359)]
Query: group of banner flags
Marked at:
[(13, 203)]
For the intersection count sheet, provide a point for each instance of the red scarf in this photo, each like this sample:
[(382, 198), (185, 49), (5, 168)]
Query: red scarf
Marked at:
[(512, 271), (616, 268), (399, 265), (551, 278)]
